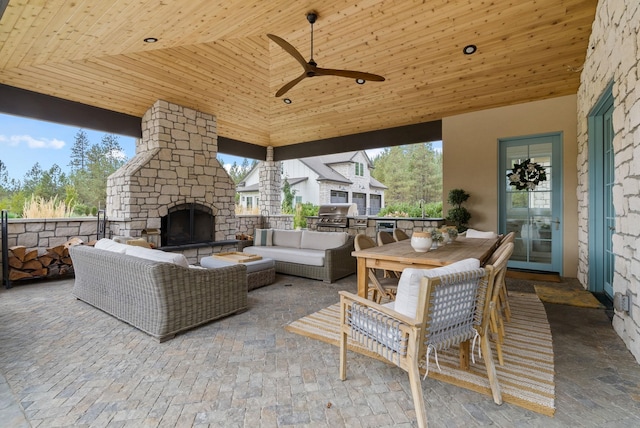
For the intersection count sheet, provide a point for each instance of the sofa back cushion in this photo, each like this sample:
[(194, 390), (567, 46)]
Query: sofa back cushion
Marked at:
[(110, 245), (157, 255), (322, 240), (263, 237), (287, 238), (409, 285)]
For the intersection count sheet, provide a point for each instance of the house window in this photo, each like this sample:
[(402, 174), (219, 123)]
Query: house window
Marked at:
[(298, 200), (249, 202), (359, 169)]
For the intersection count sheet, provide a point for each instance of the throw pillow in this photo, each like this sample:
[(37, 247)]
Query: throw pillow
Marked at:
[(409, 285), (287, 238), (472, 233), (263, 237), (110, 245)]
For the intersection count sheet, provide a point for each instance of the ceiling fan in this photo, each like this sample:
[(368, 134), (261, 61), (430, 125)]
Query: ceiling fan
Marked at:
[(311, 69)]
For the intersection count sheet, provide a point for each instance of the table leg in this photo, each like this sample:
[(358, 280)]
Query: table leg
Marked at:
[(464, 355), (363, 280)]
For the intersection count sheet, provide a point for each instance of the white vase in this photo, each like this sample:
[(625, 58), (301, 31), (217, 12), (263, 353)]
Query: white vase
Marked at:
[(421, 241)]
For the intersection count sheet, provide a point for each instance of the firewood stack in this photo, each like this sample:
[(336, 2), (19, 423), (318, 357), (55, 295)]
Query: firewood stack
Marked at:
[(28, 264)]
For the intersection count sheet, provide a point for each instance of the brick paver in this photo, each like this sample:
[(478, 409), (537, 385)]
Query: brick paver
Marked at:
[(65, 363)]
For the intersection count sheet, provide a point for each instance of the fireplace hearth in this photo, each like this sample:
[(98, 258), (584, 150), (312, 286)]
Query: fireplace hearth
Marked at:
[(187, 224)]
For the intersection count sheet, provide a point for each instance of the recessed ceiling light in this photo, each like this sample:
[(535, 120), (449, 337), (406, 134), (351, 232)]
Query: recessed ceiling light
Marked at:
[(287, 101), (150, 40), (360, 81), (469, 49)]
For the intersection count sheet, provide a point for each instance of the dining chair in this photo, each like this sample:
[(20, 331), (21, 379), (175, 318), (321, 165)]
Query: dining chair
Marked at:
[(383, 238), (382, 287), (410, 342), (400, 235), (499, 261)]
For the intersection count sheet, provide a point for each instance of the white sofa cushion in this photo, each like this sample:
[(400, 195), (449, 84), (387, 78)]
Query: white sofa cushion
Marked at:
[(110, 245), (287, 238), (263, 237), (157, 255), (409, 285), (287, 254), (472, 233), (322, 240)]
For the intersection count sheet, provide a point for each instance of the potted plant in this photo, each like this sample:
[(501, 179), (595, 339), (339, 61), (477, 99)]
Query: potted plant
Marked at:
[(459, 215)]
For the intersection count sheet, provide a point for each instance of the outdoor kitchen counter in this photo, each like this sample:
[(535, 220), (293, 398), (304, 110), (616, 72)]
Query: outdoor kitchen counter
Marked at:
[(371, 225)]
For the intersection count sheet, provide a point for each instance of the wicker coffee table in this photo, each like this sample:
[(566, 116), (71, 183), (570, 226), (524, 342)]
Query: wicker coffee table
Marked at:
[(259, 272)]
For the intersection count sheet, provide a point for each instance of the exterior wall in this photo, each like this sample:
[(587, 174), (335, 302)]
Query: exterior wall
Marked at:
[(470, 160), (45, 233), (613, 55)]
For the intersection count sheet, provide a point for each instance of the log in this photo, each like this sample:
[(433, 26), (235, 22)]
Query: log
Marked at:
[(67, 261), (15, 274), (45, 259), (15, 262), (30, 255), (32, 265), (40, 272), (57, 251), (18, 251), (73, 241)]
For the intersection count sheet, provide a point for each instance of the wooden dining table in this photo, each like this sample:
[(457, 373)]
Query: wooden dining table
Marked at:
[(397, 256)]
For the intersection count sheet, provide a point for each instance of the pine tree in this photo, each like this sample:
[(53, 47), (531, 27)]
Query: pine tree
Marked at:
[(79, 152)]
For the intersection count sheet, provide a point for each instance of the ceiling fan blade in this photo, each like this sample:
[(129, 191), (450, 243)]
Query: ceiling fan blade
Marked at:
[(348, 73), (289, 49), (291, 84)]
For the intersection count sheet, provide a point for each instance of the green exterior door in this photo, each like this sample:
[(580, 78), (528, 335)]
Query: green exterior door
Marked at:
[(534, 215)]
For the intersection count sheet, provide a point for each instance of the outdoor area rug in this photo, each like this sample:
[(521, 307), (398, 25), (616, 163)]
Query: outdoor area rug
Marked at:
[(567, 296), (527, 377)]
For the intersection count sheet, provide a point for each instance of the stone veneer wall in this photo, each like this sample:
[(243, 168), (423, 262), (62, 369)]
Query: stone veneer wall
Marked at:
[(407, 225), (613, 55), (175, 163), (270, 185)]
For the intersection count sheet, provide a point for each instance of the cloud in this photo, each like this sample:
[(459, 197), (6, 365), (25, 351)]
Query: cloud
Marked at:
[(31, 142)]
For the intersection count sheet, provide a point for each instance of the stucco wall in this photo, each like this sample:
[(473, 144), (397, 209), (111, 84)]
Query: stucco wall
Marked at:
[(470, 160), (613, 55)]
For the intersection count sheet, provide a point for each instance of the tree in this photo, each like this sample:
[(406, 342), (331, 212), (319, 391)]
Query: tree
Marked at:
[(458, 214), (101, 160), (287, 202), (79, 152), (411, 173)]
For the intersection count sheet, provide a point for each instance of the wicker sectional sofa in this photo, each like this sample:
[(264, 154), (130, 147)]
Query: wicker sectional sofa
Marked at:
[(324, 256), (161, 298)]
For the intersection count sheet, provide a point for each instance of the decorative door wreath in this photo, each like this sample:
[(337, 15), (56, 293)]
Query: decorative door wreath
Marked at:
[(527, 175)]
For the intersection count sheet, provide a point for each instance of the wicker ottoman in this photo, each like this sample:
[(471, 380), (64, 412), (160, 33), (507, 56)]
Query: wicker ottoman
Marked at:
[(259, 273)]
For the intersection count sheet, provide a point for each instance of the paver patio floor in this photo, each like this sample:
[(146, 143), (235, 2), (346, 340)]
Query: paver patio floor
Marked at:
[(65, 363)]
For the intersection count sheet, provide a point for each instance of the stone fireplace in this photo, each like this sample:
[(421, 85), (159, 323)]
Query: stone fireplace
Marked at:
[(187, 224), (174, 183)]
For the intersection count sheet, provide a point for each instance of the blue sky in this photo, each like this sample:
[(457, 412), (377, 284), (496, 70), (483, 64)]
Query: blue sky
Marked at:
[(23, 142)]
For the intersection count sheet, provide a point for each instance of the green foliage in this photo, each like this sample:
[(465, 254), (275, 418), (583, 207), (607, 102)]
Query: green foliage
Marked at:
[(302, 212), (85, 186), (411, 173), (404, 209), (239, 172), (459, 215), (287, 202)]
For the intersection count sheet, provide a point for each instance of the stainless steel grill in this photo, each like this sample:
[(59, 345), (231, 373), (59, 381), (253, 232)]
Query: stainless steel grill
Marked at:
[(335, 215)]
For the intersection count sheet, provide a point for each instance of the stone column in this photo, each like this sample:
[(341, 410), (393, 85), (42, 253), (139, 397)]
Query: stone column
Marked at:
[(270, 186)]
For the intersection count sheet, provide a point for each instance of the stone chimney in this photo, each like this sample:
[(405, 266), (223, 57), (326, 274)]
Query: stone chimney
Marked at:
[(175, 164)]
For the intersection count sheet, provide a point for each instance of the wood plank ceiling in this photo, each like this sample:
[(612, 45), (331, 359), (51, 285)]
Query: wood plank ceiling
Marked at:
[(215, 56)]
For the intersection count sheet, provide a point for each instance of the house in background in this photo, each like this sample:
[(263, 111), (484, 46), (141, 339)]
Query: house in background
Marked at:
[(337, 178)]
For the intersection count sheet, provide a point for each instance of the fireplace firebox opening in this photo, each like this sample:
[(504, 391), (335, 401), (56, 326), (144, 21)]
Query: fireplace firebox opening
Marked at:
[(187, 224)]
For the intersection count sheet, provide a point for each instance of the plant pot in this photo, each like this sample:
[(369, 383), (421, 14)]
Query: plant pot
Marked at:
[(421, 241)]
